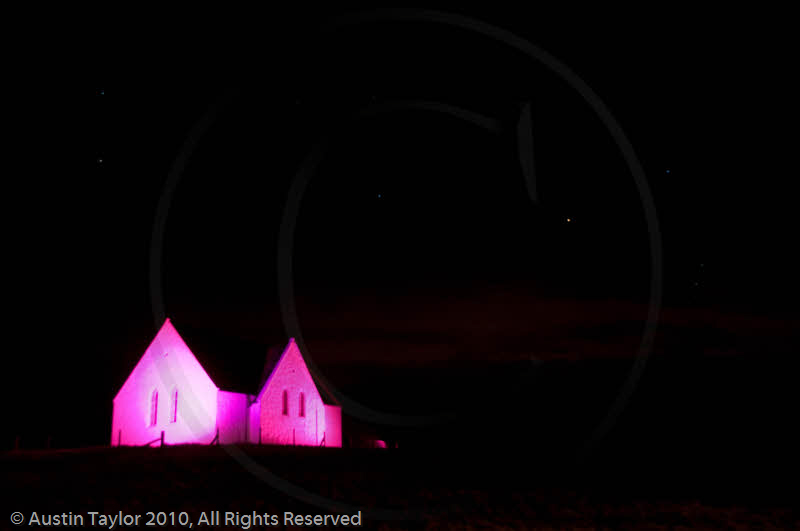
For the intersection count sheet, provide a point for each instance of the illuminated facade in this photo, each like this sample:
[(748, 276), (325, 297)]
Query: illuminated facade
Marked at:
[(170, 392)]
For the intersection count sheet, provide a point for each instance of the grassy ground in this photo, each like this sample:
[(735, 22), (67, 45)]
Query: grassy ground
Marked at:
[(440, 489)]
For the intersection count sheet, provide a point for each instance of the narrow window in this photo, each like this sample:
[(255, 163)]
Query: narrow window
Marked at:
[(154, 407), (285, 402), (302, 405), (174, 410)]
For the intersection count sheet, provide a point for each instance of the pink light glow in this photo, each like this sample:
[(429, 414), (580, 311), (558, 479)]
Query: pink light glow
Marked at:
[(282, 392), (232, 416), (193, 409), (160, 373)]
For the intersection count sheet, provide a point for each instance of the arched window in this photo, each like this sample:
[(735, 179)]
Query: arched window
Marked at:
[(302, 405), (285, 402), (154, 407), (173, 414)]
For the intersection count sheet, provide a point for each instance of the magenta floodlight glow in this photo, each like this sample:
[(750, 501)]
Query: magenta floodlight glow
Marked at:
[(169, 391)]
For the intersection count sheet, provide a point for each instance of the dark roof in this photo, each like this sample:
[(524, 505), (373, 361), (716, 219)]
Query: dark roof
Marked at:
[(233, 363), (273, 356), (237, 364)]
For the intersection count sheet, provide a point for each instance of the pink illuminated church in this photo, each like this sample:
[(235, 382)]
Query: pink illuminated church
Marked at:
[(170, 393)]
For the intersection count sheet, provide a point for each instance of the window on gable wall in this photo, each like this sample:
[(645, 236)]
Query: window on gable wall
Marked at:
[(174, 411), (285, 402), (302, 405), (154, 407)]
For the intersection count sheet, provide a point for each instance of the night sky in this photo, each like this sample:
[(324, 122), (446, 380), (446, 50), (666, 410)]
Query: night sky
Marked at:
[(417, 243)]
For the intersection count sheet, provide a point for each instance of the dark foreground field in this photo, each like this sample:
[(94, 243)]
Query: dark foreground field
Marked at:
[(439, 488), (702, 444)]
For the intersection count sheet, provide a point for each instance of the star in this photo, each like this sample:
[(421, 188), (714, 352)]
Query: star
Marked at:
[(667, 171), (379, 196), (569, 220)]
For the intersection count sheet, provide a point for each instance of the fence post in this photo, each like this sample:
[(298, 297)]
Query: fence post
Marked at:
[(162, 437)]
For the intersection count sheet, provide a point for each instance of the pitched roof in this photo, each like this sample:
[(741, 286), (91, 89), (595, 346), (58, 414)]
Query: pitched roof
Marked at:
[(237, 364), (233, 363), (274, 354)]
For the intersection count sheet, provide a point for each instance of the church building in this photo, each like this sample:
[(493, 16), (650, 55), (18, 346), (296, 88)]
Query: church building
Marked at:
[(170, 397)]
